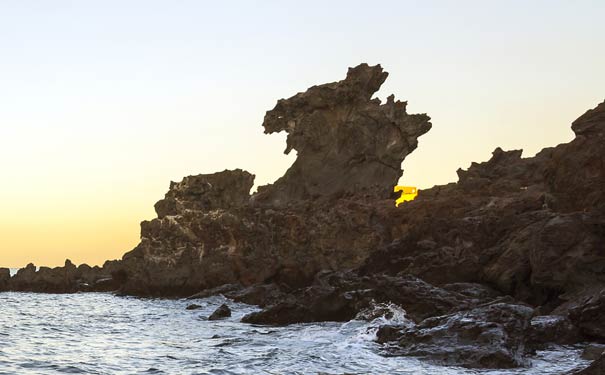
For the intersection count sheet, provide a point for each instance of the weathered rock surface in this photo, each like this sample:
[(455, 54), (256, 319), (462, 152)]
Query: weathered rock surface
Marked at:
[(528, 227), (341, 296), (183, 254), (491, 336), (222, 190), (589, 315), (346, 142), (350, 149), (531, 228)]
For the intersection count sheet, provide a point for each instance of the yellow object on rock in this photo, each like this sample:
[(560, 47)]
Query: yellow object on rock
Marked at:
[(408, 193)]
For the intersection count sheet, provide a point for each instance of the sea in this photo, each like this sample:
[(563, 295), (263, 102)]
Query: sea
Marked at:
[(99, 333)]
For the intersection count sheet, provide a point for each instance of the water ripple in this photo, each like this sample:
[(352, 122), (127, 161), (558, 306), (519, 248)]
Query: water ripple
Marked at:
[(97, 333)]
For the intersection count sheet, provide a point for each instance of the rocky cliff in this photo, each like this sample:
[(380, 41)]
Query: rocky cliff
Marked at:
[(507, 260), (346, 142), (325, 213)]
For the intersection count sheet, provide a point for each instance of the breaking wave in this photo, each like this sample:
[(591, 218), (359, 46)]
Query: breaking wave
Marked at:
[(98, 333)]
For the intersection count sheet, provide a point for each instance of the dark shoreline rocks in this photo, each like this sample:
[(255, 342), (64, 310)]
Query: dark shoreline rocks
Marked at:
[(490, 336), (505, 261), (341, 296), (65, 279)]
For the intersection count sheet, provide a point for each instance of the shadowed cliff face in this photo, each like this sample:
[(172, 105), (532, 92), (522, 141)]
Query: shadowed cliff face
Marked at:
[(350, 149), (576, 174), (346, 141), (207, 234)]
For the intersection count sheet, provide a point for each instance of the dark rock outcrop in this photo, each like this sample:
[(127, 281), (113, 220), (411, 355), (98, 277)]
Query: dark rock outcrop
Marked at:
[(342, 296), (321, 215), (222, 190), (346, 142), (589, 315), (529, 227), (222, 312), (65, 279), (491, 336), (183, 254), (576, 173)]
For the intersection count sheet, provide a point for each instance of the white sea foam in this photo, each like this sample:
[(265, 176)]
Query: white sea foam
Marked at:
[(96, 333)]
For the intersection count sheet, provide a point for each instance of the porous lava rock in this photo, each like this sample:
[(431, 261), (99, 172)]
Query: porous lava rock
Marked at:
[(491, 336), (322, 215), (183, 254), (206, 192), (530, 227), (346, 141), (340, 296)]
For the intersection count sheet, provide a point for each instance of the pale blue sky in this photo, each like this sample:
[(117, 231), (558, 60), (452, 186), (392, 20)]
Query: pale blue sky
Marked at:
[(102, 103)]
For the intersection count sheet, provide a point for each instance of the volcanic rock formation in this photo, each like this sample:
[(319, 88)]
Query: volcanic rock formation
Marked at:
[(66, 279), (322, 215), (507, 260), (486, 336), (346, 141)]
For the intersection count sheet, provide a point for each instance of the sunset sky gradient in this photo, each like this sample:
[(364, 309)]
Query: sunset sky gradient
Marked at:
[(103, 103)]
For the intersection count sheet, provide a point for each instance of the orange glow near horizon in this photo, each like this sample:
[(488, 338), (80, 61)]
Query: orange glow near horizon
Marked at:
[(96, 121), (82, 240)]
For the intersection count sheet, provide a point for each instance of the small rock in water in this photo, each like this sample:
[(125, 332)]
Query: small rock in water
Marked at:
[(222, 312), (193, 307)]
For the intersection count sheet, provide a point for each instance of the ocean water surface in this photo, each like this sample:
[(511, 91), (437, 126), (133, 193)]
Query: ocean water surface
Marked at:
[(99, 333)]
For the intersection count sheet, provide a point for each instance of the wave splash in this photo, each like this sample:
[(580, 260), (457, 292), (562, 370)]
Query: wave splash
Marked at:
[(97, 333)]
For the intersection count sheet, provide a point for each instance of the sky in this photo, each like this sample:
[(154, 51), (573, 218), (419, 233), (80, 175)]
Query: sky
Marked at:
[(103, 103)]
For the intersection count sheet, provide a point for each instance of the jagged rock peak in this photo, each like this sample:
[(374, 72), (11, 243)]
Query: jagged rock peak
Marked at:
[(346, 141), (204, 192), (591, 122)]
